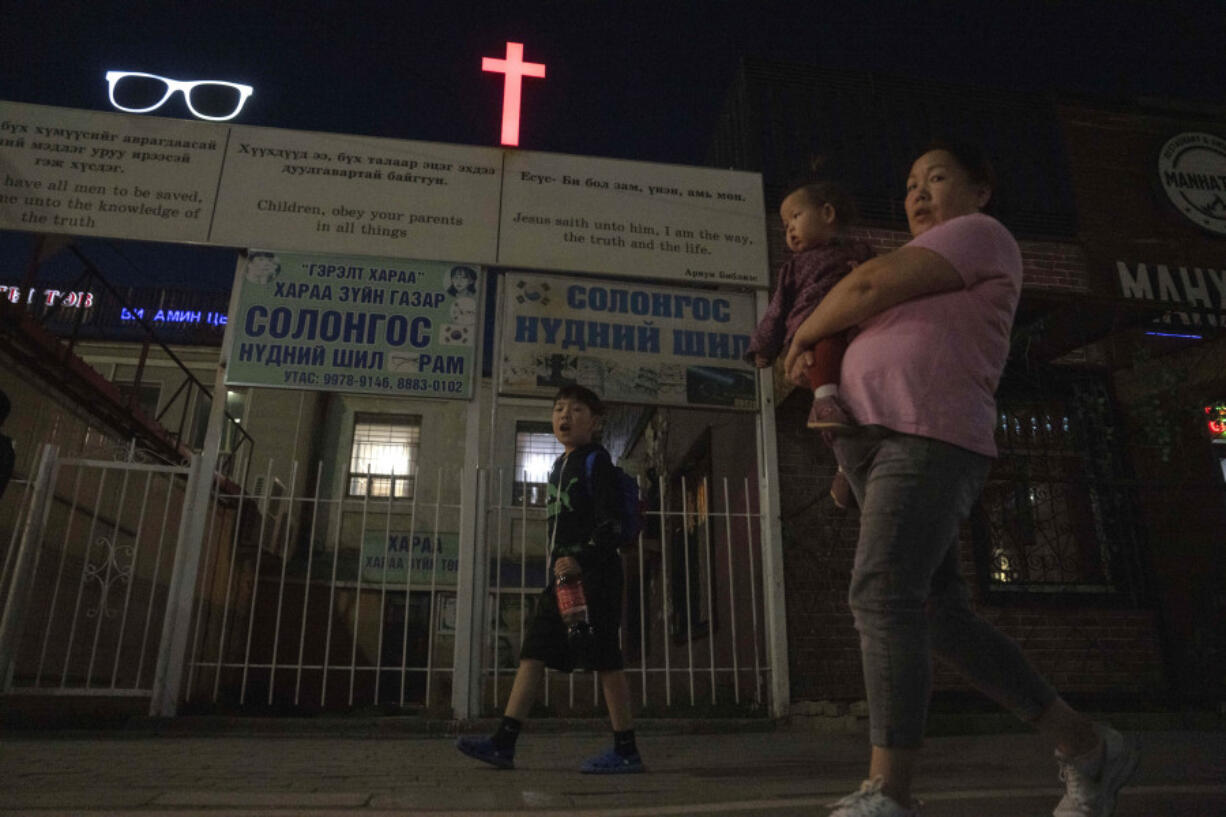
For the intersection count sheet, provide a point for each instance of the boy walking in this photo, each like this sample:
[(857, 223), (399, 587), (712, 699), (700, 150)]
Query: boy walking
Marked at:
[(584, 529)]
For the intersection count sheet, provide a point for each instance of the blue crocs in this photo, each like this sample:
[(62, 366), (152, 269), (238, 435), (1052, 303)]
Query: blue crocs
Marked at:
[(612, 763), (483, 749)]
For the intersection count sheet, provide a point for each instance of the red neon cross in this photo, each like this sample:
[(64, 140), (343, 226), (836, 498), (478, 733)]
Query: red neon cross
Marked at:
[(515, 69)]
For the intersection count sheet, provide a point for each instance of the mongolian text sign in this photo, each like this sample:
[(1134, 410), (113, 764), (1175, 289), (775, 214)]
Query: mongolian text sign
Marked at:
[(319, 192), (372, 325), (627, 342), (421, 559), (571, 213), (126, 176)]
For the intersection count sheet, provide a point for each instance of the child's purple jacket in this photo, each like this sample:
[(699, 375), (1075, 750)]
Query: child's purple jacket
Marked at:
[(804, 279)]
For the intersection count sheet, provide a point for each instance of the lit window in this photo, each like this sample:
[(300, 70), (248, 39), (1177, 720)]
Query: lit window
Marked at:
[(383, 460), (535, 451)]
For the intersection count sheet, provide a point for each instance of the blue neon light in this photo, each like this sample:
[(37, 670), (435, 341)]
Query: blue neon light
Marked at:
[(1174, 335)]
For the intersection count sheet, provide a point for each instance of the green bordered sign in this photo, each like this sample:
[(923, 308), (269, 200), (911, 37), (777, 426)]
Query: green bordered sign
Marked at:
[(420, 559), (355, 324)]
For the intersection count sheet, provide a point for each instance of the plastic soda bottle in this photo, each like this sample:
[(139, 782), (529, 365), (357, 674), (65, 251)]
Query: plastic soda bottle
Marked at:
[(572, 605)]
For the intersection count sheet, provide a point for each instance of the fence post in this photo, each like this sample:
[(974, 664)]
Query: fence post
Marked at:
[(22, 579), (180, 592), (774, 599), (471, 589)]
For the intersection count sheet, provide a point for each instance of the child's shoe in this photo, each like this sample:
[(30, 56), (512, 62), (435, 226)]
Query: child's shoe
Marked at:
[(840, 492), (483, 749), (828, 416), (612, 763)]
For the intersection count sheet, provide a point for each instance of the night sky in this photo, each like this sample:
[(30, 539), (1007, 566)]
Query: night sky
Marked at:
[(642, 81)]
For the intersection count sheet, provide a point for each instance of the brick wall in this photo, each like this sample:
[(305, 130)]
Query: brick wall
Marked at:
[(1081, 649)]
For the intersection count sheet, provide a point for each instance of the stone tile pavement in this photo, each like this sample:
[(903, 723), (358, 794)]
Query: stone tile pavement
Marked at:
[(785, 771)]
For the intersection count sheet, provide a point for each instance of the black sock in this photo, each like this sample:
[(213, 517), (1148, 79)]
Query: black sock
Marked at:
[(507, 734), (623, 743)]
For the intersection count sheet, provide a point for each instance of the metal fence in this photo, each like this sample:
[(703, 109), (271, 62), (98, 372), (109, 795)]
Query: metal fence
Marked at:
[(325, 601), (692, 629), (329, 601), (85, 572)]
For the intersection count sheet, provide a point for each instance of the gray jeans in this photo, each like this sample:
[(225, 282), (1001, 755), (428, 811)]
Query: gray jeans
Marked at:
[(907, 595)]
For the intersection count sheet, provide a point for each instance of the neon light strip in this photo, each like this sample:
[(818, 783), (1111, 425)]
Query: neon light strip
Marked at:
[(1174, 335)]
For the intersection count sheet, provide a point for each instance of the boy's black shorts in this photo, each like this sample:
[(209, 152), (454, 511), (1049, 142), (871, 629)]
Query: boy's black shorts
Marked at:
[(546, 636)]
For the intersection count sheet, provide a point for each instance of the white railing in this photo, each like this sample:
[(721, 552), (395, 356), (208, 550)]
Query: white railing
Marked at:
[(692, 625), (86, 569), (328, 601)]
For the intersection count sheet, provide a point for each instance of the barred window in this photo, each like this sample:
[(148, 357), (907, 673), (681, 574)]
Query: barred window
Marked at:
[(535, 450), (383, 459), (1056, 513)]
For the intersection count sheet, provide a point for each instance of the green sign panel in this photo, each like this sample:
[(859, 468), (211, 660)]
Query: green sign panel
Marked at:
[(353, 324), (420, 558)]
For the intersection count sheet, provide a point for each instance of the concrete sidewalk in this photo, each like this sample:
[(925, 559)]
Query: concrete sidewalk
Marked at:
[(303, 770)]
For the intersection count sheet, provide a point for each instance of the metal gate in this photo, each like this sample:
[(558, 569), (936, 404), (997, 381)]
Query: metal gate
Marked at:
[(87, 568), (327, 602), (693, 629)]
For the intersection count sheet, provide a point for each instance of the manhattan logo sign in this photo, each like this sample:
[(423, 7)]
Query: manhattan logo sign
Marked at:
[(1192, 171)]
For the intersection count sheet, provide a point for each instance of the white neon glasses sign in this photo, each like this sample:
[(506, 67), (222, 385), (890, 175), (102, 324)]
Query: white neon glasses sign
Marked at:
[(214, 100)]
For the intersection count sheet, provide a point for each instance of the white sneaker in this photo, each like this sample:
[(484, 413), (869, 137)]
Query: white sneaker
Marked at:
[(869, 801), (1087, 796)]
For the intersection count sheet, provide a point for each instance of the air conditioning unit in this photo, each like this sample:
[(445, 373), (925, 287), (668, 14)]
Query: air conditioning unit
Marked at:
[(266, 498)]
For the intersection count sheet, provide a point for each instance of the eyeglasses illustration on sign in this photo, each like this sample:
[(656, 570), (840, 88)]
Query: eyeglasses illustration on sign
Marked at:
[(214, 100)]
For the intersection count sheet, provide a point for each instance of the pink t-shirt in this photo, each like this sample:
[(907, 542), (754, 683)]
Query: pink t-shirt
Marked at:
[(930, 366)]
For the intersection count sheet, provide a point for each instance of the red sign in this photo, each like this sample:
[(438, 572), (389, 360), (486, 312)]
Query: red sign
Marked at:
[(515, 69), (1215, 419)]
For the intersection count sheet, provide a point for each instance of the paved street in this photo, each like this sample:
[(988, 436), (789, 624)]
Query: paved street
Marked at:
[(780, 773)]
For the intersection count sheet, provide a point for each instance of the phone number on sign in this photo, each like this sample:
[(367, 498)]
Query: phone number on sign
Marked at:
[(433, 384), (361, 381)]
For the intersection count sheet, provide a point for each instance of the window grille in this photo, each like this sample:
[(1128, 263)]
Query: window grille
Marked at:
[(535, 451), (383, 458), (1057, 511)]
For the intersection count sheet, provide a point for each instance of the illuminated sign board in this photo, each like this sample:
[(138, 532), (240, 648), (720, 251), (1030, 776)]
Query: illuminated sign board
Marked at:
[(46, 297), (179, 316), (515, 70)]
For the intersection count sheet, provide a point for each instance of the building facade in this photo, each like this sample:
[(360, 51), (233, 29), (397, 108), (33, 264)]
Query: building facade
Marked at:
[(1097, 543)]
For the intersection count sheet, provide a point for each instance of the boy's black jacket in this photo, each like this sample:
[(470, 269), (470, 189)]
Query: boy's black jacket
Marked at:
[(584, 521)]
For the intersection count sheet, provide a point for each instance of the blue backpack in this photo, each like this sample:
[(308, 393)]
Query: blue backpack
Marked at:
[(628, 505)]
